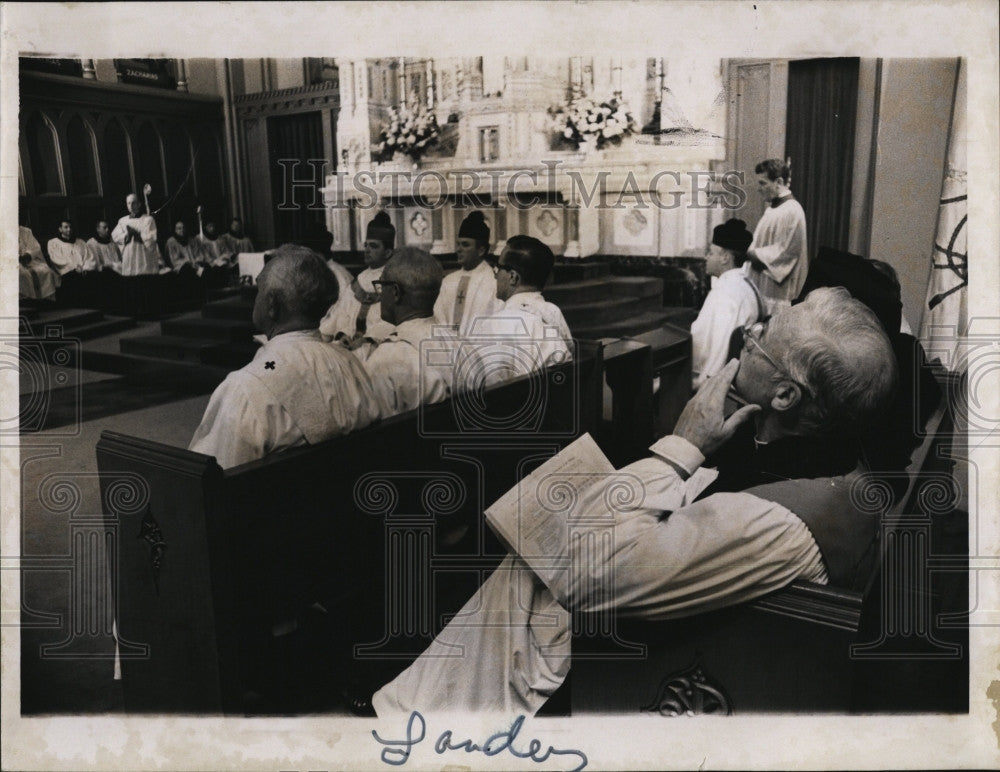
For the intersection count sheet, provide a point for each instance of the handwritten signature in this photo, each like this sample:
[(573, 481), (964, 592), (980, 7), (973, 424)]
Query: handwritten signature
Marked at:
[(397, 752)]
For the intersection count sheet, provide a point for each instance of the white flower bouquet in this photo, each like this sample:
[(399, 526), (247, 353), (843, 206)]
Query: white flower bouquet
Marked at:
[(406, 132), (584, 120)]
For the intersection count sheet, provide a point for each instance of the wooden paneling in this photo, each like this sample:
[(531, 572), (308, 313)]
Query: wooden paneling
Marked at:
[(110, 139)]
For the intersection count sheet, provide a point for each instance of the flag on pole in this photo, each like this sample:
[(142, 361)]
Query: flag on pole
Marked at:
[(946, 315)]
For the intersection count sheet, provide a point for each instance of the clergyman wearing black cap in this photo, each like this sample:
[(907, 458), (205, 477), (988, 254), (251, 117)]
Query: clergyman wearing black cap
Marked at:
[(733, 301), (356, 318), (471, 291)]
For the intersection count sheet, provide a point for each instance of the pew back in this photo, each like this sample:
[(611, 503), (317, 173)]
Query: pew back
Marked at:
[(383, 527)]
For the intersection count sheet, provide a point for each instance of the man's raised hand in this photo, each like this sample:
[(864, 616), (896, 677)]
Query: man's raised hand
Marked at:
[(703, 422)]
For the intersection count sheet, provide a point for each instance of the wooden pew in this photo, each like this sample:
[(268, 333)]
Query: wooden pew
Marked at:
[(801, 649), (383, 528)]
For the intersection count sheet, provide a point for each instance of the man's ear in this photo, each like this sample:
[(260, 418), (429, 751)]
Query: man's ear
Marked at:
[(786, 396)]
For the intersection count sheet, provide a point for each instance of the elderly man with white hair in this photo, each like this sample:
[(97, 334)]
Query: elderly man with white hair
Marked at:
[(822, 368), (135, 235), (298, 389)]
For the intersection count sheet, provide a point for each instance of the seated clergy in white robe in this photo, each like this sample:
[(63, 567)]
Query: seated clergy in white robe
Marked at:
[(181, 250), (471, 291), (103, 251), (413, 365), (298, 389), (36, 280), (527, 333), (68, 253), (135, 235), (732, 302), (672, 554), (235, 240), (356, 319)]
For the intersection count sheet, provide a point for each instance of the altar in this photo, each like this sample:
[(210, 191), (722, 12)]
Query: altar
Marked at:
[(515, 138)]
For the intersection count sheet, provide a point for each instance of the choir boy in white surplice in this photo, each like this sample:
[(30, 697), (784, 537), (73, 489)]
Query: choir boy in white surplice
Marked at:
[(183, 251), (235, 241), (673, 554), (528, 333), (135, 235), (298, 389), (470, 292), (779, 258), (413, 365), (733, 301), (36, 279), (356, 318), (68, 253), (103, 250)]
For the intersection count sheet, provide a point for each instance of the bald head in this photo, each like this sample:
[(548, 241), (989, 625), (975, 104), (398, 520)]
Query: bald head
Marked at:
[(294, 290), (418, 275)]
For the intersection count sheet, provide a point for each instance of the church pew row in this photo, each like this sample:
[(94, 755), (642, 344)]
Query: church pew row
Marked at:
[(383, 529), (809, 647)]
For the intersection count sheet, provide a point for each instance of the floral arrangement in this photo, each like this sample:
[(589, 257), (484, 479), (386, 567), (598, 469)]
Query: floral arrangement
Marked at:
[(584, 120), (406, 132)]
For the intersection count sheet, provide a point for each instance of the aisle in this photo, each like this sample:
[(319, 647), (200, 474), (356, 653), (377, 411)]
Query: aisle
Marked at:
[(59, 494)]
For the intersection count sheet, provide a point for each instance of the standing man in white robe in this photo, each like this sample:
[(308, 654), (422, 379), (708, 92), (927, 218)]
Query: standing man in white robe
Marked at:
[(734, 301), (673, 556), (470, 292), (528, 333), (298, 389), (356, 318), (779, 257), (135, 235), (405, 368), (36, 280), (103, 251)]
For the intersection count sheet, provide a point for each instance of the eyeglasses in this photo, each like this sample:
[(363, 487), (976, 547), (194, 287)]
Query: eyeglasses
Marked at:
[(378, 284), (497, 268), (751, 336)]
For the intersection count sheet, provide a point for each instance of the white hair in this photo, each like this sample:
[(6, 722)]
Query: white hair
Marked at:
[(845, 359)]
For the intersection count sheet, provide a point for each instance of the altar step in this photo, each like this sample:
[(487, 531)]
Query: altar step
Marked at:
[(199, 348), (73, 323)]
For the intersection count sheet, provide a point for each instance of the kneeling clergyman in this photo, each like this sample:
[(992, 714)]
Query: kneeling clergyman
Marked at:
[(298, 389)]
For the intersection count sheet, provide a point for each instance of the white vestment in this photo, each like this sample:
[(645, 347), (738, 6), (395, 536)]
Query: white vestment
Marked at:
[(344, 277), (36, 279), (233, 246), (211, 251), (105, 255), (69, 256), (183, 254), (413, 366), (508, 649), (140, 256), (467, 295), (341, 320), (731, 303), (297, 390), (527, 334), (779, 242)]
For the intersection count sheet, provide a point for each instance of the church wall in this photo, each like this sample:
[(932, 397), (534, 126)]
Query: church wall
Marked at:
[(202, 77), (914, 114)]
